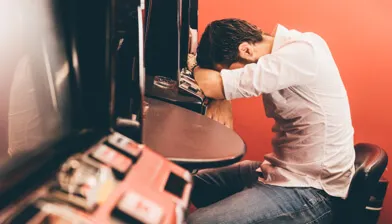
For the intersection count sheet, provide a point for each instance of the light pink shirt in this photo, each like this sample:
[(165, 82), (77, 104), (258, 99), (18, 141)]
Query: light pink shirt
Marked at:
[(304, 93)]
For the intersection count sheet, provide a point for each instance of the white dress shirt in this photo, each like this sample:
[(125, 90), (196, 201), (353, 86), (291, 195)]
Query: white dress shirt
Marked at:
[(304, 93)]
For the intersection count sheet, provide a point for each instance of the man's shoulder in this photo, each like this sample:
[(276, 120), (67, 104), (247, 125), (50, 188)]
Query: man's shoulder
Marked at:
[(284, 36)]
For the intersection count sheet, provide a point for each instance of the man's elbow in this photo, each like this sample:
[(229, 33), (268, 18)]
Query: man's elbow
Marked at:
[(211, 90), (210, 82), (209, 93), (207, 88), (215, 94)]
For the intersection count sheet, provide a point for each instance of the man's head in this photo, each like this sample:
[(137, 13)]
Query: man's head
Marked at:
[(230, 44)]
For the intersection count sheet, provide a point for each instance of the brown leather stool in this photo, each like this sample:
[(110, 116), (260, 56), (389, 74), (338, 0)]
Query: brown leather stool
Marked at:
[(370, 163)]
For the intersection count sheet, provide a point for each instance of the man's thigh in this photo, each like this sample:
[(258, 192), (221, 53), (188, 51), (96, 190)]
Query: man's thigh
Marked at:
[(212, 185), (268, 204)]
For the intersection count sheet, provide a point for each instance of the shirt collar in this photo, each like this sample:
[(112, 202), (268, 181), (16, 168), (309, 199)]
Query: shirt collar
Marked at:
[(281, 35)]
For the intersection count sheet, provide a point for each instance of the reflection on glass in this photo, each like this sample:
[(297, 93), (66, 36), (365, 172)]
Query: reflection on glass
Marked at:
[(36, 74), (193, 24), (171, 35)]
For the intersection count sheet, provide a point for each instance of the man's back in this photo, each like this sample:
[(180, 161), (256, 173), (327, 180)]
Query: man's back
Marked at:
[(313, 145)]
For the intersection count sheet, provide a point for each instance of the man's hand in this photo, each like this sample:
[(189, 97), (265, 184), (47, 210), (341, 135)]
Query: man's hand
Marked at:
[(221, 111), (210, 82)]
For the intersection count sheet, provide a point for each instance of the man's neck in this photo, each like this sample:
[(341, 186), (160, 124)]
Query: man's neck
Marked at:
[(265, 47), (268, 42)]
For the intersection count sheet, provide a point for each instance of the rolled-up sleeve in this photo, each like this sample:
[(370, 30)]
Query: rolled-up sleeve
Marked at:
[(294, 63)]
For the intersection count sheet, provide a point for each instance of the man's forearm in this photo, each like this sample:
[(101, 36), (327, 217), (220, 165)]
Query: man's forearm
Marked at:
[(210, 82), (221, 111)]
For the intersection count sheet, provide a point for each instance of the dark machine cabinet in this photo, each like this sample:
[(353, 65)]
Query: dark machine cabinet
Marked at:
[(166, 54), (124, 52)]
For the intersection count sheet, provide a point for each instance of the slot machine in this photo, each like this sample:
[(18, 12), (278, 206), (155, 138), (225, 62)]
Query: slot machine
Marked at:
[(171, 39), (64, 162)]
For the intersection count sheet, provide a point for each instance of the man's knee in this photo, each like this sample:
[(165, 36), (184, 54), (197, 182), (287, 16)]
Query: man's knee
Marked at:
[(192, 218), (248, 166), (202, 215)]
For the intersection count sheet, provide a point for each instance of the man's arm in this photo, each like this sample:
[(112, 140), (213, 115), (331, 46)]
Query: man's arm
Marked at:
[(293, 64), (221, 111), (210, 82)]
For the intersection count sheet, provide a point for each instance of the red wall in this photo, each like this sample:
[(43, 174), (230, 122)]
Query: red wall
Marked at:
[(359, 33)]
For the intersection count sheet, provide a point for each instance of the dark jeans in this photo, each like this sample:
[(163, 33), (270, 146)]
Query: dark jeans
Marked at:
[(233, 195)]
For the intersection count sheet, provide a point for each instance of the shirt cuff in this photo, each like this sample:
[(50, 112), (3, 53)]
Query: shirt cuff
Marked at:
[(230, 80)]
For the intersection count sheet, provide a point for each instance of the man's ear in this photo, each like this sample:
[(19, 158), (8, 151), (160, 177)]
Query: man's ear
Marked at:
[(245, 50)]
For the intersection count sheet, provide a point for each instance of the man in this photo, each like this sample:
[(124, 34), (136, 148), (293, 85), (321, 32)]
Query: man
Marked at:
[(312, 162)]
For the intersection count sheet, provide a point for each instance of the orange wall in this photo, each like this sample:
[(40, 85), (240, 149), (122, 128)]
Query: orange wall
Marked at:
[(359, 33)]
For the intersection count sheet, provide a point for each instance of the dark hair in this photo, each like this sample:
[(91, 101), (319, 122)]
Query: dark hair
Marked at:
[(220, 40)]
